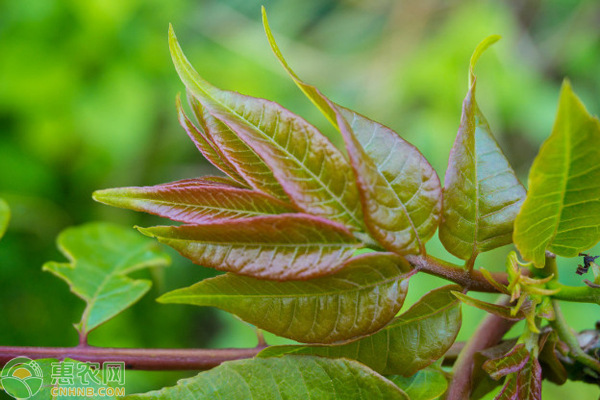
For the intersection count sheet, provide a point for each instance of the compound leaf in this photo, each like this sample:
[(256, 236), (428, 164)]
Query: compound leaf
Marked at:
[(482, 195), (237, 152), (562, 210), (525, 384), (288, 377), (399, 190), (311, 170), (360, 299), (4, 217), (411, 342), (101, 255), (427, 384), (211, 152), (194, 201), (280, 247)]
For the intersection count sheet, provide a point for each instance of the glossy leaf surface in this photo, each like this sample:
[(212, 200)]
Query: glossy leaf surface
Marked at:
[(526, 384), (400, 191), (513, 361), (411, 342), (427, 384), (562, 209), (360, 299), (194, 201), (203, 143), (281, 247), (101, 255), (482, 195), (4, 217), (288, 377), (311, 170), (245, 160)]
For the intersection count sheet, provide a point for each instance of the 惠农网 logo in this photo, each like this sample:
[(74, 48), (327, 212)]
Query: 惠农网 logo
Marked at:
[(21, 378)]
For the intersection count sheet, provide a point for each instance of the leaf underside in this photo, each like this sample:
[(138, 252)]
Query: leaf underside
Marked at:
[(194, 201), (427, 384), (409, 343), (399, 190), (482, 194), (101, 256), (562, 210), (358, 300), (313, 173), (288, 377), (279, 247)]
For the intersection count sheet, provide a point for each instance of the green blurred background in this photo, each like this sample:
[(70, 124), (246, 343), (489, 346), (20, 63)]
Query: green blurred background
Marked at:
[(87, 94)]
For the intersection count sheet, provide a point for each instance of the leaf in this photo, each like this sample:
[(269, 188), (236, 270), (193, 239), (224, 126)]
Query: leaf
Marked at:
[(399, 190), (194, 201), (288, 377), (280, 247), (101, 255), (499, 310), (4, 217), (510, 362), (525, 384), (411, 342), (562, 212), (552, 368), (360, 299), (238, 153), (427, 384), (212, 153), (482, 195), (311, 170)]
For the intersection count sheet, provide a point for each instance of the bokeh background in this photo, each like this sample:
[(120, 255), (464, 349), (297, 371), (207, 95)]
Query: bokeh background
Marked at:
[(87, 94)]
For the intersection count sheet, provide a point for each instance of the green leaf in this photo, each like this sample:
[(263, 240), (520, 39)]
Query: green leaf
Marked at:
[(411, 342), (311, 170), (194, 201), (399, 190), (288, 377), (499, 310), (4, 217), (101, 255), (211, 152), (360, 299), (526, 384), (482, 195), (510, 362), (427, 384), (280, 247), (237, 152), (561, 212)]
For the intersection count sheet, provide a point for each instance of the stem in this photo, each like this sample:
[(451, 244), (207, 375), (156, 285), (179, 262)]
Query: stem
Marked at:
[(488, 334), (137, 359), (566, 335), (473, 279), (579, 294)]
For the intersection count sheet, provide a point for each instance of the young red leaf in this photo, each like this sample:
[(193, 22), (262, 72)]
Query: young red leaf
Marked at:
[(194, 201), (482, 195), (279, 247), (311, 170), (208, 150), (400, 191), (526, 384), (237, 152), (511, 362)]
